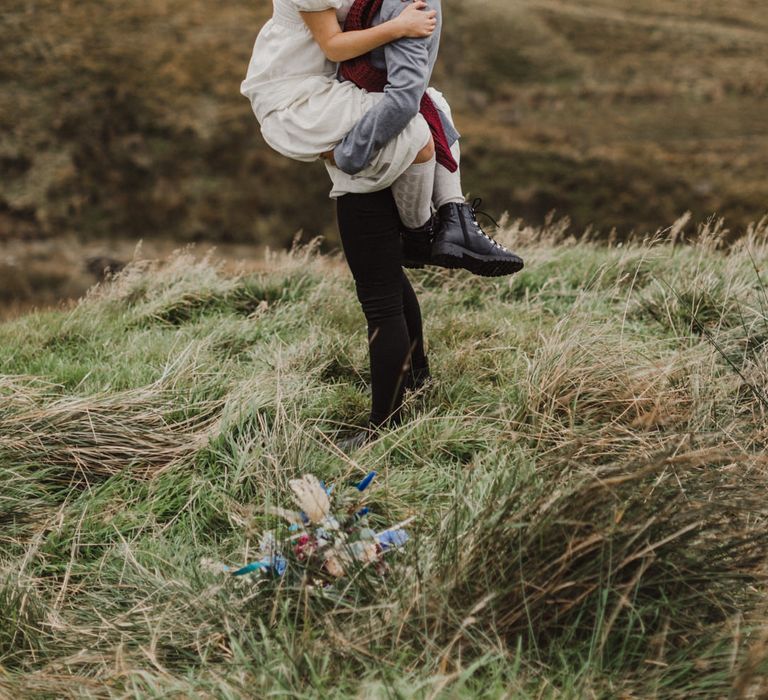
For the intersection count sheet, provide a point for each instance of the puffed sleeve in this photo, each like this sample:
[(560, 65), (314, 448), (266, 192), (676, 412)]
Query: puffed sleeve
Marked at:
[(317, 5)]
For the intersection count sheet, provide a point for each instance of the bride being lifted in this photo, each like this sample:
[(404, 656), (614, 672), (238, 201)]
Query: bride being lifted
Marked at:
[(378, 126)]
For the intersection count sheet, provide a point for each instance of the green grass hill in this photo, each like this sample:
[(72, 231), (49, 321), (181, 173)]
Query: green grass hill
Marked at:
[(588, 474)]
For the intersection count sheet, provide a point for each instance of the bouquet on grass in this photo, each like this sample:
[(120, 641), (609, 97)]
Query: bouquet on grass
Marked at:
[(328, 535)]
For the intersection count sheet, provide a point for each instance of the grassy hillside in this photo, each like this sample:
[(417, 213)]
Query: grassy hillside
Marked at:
[(126, 119), (588, 474)]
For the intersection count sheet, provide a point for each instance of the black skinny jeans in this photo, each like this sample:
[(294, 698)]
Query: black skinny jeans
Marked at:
[(370, 235)]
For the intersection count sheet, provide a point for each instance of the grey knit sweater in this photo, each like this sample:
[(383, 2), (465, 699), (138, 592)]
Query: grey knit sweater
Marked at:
[(409, 64)]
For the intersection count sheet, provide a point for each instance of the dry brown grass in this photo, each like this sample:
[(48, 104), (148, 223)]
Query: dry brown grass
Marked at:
[(126, 120)]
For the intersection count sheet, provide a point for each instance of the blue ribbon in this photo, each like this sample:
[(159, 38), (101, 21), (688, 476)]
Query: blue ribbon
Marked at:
[(365, 483), (278, 564)]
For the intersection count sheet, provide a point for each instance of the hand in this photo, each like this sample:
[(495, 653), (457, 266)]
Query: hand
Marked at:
[(328, 155), (416, 22)]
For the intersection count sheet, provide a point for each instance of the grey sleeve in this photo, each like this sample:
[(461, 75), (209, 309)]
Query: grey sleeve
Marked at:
[(408, 72)]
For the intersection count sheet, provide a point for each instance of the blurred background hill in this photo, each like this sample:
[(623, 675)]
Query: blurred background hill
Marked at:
[(121, 121)]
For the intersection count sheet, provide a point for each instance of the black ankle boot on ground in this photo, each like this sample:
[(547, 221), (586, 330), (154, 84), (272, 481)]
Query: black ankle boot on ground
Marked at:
[(459, 242), (356, 439), (417, 245)]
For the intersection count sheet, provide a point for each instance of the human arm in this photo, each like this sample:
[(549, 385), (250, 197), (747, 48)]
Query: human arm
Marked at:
[(409, 70), (339, 45)]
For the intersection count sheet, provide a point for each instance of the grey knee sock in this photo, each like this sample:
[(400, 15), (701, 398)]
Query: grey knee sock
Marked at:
[(447, 184), (413, 193)]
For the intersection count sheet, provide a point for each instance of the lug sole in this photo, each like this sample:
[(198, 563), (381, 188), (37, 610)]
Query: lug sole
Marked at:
[(454, 257)]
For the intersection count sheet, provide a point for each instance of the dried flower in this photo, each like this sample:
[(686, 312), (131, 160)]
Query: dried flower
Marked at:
[(311, 497)]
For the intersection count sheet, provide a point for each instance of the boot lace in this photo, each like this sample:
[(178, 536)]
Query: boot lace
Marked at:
[(475, 209)]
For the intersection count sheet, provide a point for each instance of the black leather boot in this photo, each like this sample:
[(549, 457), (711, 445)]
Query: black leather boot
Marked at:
[(417, 245), (459, 242), (357, 439)]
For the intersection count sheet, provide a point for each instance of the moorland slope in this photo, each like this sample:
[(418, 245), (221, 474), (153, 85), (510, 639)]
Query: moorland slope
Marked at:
[(125, 119), (588, 475)]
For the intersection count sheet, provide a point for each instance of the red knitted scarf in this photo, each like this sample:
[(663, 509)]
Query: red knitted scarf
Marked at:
[(365, 75)]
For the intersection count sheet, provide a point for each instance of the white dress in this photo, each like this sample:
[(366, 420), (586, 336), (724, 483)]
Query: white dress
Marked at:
[(305, 111)]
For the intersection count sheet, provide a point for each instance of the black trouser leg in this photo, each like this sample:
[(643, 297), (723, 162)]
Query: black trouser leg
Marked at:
[(370, 235), (412, 310)]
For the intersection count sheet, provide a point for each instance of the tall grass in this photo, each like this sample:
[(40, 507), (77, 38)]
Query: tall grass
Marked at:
[(587, 474)]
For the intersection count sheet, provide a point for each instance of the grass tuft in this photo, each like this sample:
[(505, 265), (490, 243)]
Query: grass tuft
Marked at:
[(587, 473)]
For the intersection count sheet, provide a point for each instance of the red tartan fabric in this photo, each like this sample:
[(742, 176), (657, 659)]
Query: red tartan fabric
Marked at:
[(365, 75)]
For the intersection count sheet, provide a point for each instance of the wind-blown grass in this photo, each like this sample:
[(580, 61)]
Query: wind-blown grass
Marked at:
[(588, 474)]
